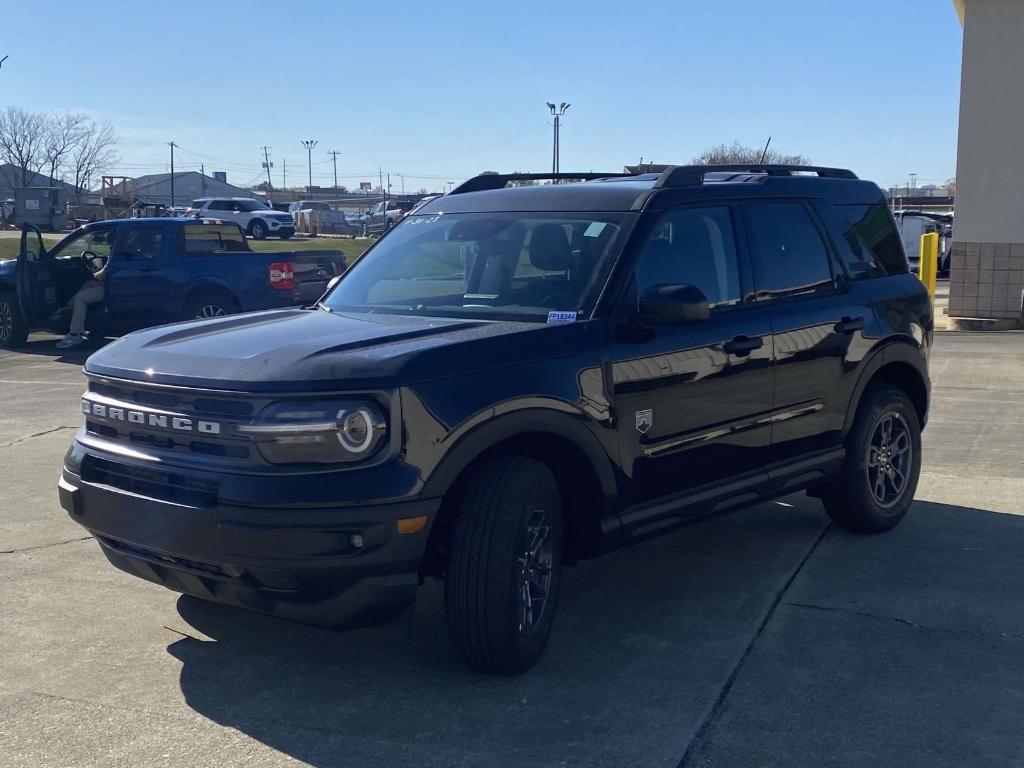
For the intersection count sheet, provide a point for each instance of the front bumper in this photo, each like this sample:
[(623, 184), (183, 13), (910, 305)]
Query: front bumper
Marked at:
[(331, 567)]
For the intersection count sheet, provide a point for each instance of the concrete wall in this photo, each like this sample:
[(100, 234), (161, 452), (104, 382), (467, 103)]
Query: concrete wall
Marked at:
[(988, 233)]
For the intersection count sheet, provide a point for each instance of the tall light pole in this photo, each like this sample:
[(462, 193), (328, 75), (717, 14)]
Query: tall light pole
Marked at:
[(557, 113), (309, 144), (268, 165), (334, 156), (172, 146), (403, 182)]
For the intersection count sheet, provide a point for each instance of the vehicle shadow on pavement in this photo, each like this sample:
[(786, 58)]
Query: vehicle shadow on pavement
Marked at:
[(645, 639), (47, 348)]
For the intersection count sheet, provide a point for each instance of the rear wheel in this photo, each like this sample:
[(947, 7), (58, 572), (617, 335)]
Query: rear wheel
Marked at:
[(208, 305), (13, 328), (883, 463), (258, 230), (504, 574)]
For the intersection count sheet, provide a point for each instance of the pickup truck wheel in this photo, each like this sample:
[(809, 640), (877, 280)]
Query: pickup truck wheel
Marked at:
[(258, 230), (883, 462), (204, 306), (13, 328), (504, 573)]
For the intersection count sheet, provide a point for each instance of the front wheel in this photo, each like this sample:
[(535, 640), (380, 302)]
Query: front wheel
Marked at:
[(504, 574), (13, 327), (258, 230), (883, 462)]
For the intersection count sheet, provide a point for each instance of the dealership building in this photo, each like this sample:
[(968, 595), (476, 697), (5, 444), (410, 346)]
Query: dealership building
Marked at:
[(987, 277)]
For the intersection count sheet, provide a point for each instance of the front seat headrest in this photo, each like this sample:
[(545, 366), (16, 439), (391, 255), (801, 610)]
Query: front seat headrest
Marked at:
[(549, 248)]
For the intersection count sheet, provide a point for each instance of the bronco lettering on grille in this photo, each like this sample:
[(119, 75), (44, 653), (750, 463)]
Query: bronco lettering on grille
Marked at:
[(158, 420)]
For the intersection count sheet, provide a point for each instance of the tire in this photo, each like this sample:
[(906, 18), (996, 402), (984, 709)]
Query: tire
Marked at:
[(510, 501), (866, 498), (258, 230), (208, 305), (13, 327)]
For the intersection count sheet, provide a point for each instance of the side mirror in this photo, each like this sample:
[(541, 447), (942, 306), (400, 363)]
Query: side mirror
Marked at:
[(666, 304), (333, 282)]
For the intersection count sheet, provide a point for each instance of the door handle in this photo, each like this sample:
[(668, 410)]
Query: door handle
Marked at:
[(743, 345), (849, 325)]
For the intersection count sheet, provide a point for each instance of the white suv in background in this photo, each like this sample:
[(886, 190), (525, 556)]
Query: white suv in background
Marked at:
[(254, 217)]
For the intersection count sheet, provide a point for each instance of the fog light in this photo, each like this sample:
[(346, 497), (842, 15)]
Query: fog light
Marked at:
[(412, 524), (356, 540)]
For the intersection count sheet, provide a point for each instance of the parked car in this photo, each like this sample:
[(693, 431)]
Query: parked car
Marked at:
[(326, 218), (251, 215), (160, 270), (914, 224), (512, 380), (383, 216)]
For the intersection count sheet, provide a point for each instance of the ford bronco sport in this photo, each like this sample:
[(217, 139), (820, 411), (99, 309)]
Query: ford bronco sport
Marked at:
[(510, 380)]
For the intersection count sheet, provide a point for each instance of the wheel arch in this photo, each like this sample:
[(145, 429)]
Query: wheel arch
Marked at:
[(901, 365), (582, 469), (207, 285)]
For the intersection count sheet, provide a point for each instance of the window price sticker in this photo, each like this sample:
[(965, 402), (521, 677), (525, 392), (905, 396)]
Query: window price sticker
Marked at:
[(560, 318)]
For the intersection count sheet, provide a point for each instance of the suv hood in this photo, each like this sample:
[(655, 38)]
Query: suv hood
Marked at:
[(298, 350)]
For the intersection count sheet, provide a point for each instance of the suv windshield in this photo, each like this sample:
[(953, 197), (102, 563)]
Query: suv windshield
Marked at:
[(491, 265)]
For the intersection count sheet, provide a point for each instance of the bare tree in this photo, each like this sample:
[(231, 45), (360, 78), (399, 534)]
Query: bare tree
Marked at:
[(23, 142), (93, 153), (63, 133), (737, 153)]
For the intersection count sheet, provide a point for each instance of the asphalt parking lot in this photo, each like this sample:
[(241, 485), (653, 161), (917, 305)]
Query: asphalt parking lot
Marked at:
[(764, 638)]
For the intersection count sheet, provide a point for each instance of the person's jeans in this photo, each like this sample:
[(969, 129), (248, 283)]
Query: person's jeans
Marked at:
[(90, 293)]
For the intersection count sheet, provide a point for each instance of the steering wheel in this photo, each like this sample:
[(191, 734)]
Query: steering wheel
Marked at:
[(90, 258)]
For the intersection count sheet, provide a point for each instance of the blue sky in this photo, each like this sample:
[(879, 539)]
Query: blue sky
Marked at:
[(441, 90)]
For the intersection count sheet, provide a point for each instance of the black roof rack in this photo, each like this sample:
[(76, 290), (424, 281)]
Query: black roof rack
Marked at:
[(693, 175), (499, 180)]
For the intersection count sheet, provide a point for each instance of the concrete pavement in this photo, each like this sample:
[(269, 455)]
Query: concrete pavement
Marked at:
[(764, 638)]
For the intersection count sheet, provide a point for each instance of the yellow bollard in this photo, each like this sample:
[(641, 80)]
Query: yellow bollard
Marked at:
[(928, 265)]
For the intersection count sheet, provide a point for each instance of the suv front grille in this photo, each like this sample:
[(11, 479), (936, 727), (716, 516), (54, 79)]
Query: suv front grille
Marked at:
[(170, 420), (153, 484)]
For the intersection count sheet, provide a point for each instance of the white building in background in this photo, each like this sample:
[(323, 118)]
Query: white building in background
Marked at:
[(188, 185), (987, 277)]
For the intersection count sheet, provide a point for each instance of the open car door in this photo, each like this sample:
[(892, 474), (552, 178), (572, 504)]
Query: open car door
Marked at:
[(37, 294)]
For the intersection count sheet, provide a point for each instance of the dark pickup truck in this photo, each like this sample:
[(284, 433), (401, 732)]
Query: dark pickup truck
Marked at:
[(158, 270)]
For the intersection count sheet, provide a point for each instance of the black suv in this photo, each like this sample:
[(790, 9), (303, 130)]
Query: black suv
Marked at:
[(510, 380)]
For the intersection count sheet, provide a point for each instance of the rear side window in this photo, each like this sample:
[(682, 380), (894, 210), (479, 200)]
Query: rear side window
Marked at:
[(213, 238), (790, 257), (874, 240), (692, 246)]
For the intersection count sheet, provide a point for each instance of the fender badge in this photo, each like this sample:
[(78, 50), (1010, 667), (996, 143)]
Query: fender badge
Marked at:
[(644, 421)]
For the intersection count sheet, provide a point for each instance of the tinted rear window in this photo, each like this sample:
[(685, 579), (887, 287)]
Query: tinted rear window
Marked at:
[(213, 238), (874, 240)]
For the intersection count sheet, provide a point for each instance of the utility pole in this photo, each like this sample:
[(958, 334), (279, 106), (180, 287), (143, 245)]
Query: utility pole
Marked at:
[(334, 156), (284, 173), (309, 144), (268, 165), (913, 183), (172, 145), (450, 184), (557, 113), (202, 179), (403, 183)]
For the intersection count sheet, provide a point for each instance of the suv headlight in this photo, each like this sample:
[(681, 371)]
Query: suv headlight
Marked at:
[(330, 432)]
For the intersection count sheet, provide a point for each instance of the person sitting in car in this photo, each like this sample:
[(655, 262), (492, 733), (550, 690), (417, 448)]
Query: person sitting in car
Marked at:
[(90, 293)]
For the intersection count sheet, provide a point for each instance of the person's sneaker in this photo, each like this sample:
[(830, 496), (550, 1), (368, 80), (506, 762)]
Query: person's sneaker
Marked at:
[(71, 340)]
